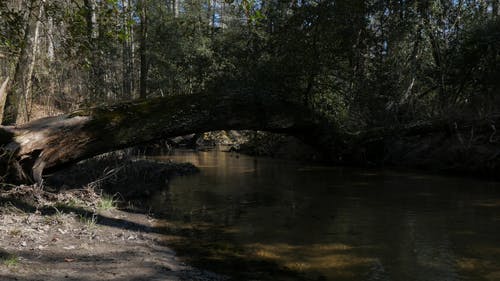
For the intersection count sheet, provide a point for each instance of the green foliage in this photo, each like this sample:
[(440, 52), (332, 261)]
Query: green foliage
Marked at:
[(106, 203), (359, 63), (90, 220), (9, 260), (11, 28)]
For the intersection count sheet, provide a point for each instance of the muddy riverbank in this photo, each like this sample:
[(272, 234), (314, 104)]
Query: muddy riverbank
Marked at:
[(85, 232)]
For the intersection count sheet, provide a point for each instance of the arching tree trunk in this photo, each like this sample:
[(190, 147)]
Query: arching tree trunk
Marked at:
[(51, 143)]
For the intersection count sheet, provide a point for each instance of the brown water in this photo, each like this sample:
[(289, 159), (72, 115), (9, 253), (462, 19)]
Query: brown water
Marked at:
[(330, 223)]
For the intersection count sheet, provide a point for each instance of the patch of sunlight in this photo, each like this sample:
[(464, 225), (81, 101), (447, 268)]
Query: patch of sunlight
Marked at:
[(339, 261), (332, 247), (487, 268), (261, 253), (429, 262), (317, 257), (489, 250), (493, 276), (298, 266), (313, 248), (232, 230), (468, 264), (487, 203), (247, 171)]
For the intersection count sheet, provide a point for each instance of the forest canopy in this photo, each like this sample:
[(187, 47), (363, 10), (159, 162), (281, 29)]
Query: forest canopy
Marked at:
[(359, 63)]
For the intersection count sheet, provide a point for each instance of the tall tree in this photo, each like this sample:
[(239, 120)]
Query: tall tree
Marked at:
[(128, 49), (143, 48), (18, 100)]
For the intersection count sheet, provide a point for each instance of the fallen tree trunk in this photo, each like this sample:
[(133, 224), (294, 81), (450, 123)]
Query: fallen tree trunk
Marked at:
[(48, 144), (51, 143)]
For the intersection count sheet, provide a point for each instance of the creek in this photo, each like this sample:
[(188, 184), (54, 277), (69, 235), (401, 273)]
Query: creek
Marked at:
[(331, 223)]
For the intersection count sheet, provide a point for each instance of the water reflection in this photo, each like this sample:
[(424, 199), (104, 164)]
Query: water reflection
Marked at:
[(342, 224)]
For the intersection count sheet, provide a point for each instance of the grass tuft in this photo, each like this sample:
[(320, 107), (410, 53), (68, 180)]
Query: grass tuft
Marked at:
[(107, 202), (89, 221), (11, 260)]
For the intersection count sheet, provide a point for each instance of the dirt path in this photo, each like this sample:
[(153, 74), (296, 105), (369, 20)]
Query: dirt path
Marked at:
[(69, 239)]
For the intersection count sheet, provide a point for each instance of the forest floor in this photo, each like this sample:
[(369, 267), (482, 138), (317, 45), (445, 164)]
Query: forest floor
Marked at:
[(79, 234)]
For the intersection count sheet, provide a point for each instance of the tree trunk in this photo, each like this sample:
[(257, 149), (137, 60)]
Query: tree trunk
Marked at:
[(91, 18), (51, 57), (51, 143), (3, 97), (28, 96), (127, 52), (494, 9), (96, 79), (18, 97), (143, 79), (176, 8)]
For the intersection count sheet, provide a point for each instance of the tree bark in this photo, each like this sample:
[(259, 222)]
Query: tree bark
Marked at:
[(143, 79), (17, 98), (91, 18), (96, 79), (494, 9), (176, 8), (27, 97), (51, 143), (127, 52), (51, 58), (3, 97)]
